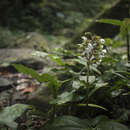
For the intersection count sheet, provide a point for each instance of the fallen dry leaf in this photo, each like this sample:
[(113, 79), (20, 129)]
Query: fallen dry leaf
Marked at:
[(23, 81), (21, 86), (29, 89)]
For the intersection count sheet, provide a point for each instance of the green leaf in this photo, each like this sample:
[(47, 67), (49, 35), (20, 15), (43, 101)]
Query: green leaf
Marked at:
[(47, 78), (117, 44), (124, 27), (120, 75), (23, 69), (104, 123), (91, 79), (99, 119), (109, 60), (95, 69), (76, 84), (9, 114), (111, 21), (111, 125), (63, 98), (56, 59), (69, 123), (74, 123), (93, 105), (41, 78), (81, 60), (97, 106), (108, 41), (98, 86), (101, 84)]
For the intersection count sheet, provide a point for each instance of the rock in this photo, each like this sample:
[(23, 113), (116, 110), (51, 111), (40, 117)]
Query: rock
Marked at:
[(5, 98), (20, 56), (40, 98), (17, 97), (5, 84), (33, 40)]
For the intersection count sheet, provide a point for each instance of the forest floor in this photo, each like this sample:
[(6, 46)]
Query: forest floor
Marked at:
[(16, 87)]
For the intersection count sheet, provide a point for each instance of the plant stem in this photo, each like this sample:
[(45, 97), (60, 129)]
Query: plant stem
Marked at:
[(88, 69), (128, 46)]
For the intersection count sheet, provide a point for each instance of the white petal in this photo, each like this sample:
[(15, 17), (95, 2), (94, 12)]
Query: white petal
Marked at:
[(92, 58), (90, 46), (101, 56), (102, 41), (100, 60), (84, 38), (87, 50), (104, 51)]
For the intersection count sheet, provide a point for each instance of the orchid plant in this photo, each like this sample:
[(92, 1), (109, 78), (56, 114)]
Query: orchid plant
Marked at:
[(93, 50)]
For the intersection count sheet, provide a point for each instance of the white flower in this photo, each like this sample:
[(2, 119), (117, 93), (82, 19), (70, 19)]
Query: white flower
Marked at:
[(102, 41), (100, 60), (87, 50), (94, 44), (101, 56), (84, 38), (104, 51), (90, 46)]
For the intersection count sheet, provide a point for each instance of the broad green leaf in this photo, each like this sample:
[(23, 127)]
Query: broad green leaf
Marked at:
[(111, 125), (69, 123), (98, 86), (91, 79), (95, 69), (81, 60), (47, 78), (63, 98), (104, 123), (74, 123), (101, 84), (76, 84), (9, 114), (23, 69), (111, 21), (116, 93), (108, 42), (41, 78), (109, 60), (54, 86), (99, 119), (56, 59), (53, 82)]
